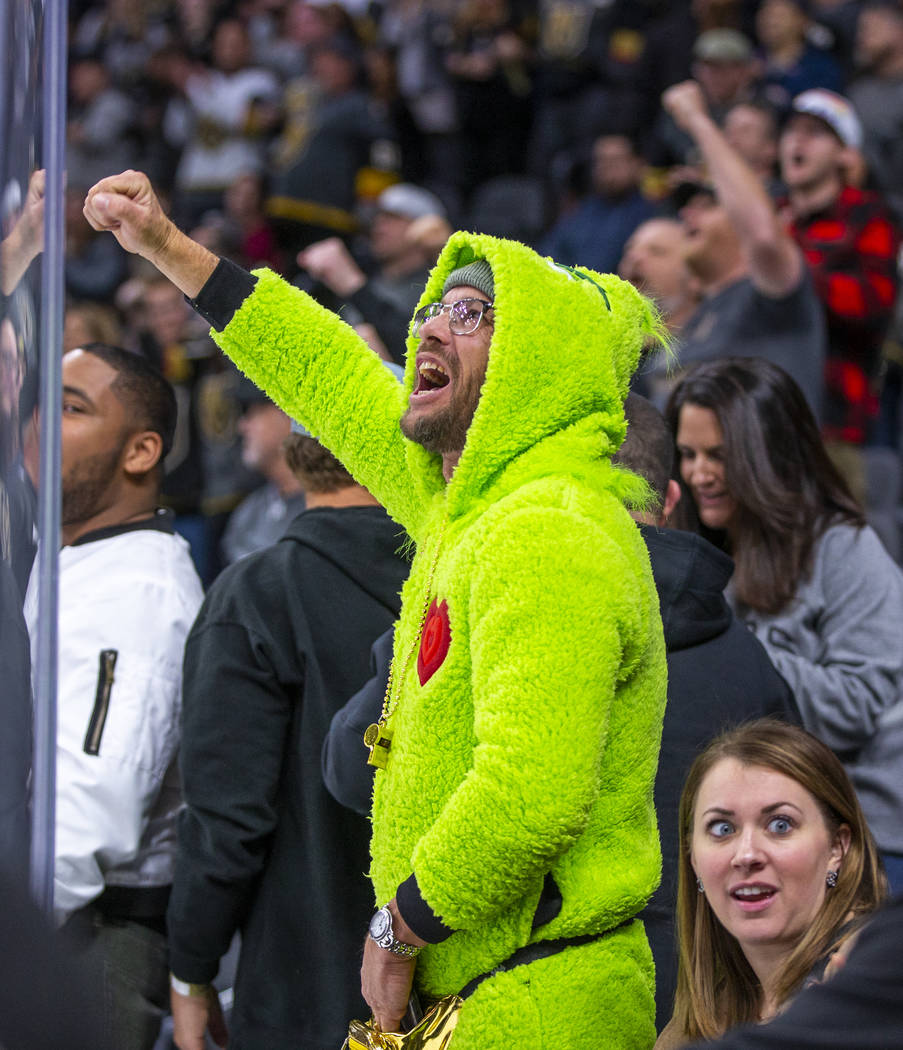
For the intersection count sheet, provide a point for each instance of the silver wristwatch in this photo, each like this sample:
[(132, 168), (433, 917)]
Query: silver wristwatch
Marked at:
[(381, 932)]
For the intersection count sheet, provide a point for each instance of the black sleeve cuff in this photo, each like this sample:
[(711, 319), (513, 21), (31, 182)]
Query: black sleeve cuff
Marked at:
[(191, 969), (419, 915), (226, 289)]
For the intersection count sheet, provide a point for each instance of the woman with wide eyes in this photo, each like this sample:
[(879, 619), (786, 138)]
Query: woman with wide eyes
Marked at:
[(811, 579), (777, 870)]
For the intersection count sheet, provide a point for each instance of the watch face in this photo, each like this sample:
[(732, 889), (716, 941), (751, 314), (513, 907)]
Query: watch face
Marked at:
[(381, 924)]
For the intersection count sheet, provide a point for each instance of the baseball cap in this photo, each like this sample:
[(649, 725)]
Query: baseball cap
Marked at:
[(409, 201), (722, 45), (836, 111)]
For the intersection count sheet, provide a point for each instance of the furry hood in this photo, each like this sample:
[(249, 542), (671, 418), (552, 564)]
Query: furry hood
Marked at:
[(565, 344)]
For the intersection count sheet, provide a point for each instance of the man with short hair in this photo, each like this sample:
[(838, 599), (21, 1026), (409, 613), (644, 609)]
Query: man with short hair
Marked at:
[(724, 65), (757, 297), (281, 640), (128, 594), (719, 674), (850, 244), (653, 260), (514, 838), (595, 232)]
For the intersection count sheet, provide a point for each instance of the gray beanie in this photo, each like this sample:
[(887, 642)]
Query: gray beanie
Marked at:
[(477, 274)]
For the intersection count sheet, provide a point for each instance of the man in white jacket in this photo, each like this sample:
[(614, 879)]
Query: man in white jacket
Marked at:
[(128, 596)]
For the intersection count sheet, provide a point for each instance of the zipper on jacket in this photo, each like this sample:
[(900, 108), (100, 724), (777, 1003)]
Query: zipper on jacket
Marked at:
[(101, 701)]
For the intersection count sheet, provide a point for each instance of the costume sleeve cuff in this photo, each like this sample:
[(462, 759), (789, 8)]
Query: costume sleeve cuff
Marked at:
[(226, 289), (418, 914)]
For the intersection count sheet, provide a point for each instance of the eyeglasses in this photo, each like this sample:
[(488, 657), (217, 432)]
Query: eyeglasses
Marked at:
[(464, 316)]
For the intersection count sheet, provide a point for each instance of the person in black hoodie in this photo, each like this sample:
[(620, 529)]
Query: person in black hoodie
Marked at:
[(281, 640), (719, 675)]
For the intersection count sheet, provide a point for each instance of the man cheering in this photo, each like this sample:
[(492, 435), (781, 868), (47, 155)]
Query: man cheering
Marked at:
[(514, 838)]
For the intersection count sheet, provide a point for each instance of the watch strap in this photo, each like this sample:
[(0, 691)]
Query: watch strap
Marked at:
[(407, 951), (387, 939)]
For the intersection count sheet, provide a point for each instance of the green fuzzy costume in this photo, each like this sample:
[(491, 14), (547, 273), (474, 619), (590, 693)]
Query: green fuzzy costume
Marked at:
[(532, 748)]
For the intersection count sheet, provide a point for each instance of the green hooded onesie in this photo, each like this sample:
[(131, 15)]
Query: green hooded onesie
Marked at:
[(527, 727)]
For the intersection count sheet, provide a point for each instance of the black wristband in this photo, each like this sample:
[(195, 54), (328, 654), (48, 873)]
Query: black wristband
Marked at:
[(419, 915), (223, 294)]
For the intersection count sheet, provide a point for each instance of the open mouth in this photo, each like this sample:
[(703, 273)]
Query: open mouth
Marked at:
[(754, 894), (430, 376)]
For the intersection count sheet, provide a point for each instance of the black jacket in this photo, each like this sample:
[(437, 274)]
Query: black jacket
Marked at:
[(348, 777), (719, 675), (280, 642)]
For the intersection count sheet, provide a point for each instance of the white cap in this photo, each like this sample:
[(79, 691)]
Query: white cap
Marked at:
[(836, 111), (409, 201)]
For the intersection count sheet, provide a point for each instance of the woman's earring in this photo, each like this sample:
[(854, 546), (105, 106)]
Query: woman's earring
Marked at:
[(831, 880), (701, 888)]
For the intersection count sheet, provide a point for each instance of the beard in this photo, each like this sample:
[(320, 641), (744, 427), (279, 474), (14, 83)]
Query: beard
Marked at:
[(444, 430), (85, 484)]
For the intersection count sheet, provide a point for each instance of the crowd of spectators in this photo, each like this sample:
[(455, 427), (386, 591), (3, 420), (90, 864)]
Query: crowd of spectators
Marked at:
[(274, 125), (739, 161)]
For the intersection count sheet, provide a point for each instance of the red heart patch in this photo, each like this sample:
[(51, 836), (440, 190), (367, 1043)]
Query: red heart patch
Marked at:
[(434, 641)]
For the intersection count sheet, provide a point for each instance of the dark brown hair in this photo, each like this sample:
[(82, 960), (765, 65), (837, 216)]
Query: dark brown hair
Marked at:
[(648, 448), (315, 466), (787, 490)]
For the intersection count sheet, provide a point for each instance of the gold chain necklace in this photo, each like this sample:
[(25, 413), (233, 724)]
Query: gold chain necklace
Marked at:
[(378, 736)]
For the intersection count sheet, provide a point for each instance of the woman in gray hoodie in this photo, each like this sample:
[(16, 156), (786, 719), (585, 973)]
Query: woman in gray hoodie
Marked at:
[(812, 580)]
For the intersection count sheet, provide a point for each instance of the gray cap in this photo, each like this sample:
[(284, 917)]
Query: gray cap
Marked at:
[(722, 45), (409, 201), (477, 274)]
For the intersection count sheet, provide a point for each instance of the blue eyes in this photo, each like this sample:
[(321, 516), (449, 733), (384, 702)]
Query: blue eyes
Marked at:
[(721, 828)]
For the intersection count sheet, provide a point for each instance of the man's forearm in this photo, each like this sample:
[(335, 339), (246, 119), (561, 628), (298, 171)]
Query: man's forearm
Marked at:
[(739, 189), (774, 262), (15, 257), (185, 262)]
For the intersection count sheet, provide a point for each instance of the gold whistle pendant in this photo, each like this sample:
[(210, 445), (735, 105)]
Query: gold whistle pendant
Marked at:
[(378, 738)]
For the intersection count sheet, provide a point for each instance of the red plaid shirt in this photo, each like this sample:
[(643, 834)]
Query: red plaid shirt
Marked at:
[(851, 249)]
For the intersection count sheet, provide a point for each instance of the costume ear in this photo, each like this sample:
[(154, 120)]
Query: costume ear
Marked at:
[(142, 452)]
